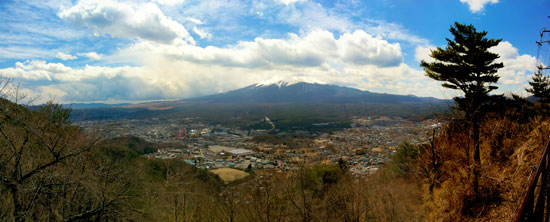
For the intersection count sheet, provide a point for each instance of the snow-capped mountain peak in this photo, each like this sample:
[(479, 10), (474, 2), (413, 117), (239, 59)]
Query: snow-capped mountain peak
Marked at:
[(283, 91), (288, 81), (278, 84)]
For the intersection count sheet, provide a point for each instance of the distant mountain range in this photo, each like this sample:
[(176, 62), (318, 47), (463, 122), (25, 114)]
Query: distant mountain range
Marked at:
[(292, 106), (283, 92)]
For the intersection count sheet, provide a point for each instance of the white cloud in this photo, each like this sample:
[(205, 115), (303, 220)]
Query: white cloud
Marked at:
[(202, 34), (314, 16), (393, 31), (288, 2), (47, 93), (25, 52), (478, 5), (311, 16), (423, 53), (64, 56), (361, 48), (35, 70), (231, 19), (169, 2), (315, 48), (91, 55), (194, 20), (143, 21), (517, 68), (90, 83)]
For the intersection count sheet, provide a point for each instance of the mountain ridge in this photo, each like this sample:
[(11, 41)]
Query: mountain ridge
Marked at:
[(281, 92)]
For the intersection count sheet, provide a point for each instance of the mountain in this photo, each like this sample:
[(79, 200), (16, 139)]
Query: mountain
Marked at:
[(292, 106), (283, 92)]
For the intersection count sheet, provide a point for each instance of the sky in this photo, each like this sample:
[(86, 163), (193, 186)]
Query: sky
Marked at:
[(116, 51)]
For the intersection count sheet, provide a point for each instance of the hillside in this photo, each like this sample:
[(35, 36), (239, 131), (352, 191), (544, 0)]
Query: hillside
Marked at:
[(509, 151), (55, 171)]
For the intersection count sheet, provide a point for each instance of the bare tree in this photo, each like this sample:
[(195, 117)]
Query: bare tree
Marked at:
[(34, 143)]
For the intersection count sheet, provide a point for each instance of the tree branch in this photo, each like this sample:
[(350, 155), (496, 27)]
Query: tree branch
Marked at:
[(55, 161)]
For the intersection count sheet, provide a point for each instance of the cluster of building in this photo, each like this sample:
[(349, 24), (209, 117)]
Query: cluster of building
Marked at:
[(367, 144)]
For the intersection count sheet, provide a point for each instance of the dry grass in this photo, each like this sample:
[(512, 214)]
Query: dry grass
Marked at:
[(393, 198), (218, 148), (229, 174), (508, 151)]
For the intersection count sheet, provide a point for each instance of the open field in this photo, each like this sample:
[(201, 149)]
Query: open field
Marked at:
[(218, 148), (229, 175)]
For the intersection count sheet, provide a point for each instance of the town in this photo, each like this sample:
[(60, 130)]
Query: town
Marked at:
[(368, 143)]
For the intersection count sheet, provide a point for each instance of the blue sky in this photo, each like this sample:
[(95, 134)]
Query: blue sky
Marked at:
[(129, 51)]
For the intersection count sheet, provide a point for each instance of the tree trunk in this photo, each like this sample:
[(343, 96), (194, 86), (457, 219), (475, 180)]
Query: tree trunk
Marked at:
[(477, 159), (17, 208)]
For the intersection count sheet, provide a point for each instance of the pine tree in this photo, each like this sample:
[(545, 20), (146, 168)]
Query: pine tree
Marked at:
[(540, 88), (468, 66)]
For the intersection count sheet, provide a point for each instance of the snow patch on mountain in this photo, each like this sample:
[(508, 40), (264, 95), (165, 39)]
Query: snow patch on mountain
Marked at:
[(278, 84), (288, 81)]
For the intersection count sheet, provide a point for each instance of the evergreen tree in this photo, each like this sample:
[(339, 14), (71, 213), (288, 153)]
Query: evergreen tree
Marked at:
[(540, 88), (468, 66)]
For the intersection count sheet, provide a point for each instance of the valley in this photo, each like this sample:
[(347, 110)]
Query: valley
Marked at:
[(278, 126), (366, 144)]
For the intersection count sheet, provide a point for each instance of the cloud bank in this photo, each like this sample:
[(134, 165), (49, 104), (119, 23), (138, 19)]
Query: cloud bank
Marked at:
[(181, 70), (155, 57)]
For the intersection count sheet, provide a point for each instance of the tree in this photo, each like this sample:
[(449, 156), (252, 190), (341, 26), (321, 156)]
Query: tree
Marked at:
[(540, 88), (404, 157), (468, 66), (35, 145)]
